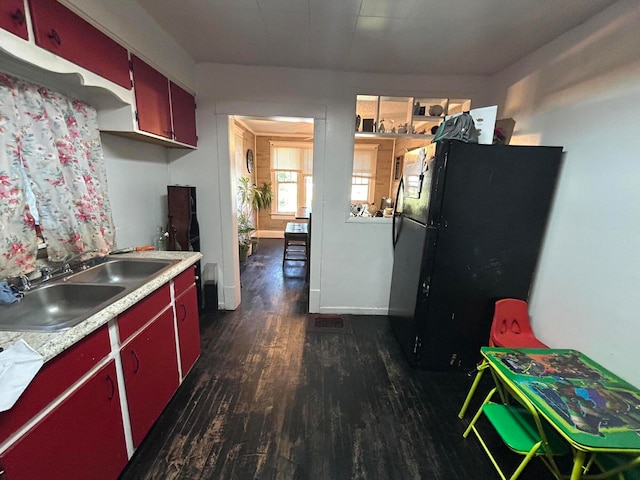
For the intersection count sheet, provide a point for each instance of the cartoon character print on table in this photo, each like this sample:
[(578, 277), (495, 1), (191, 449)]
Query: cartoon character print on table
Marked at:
[(591, 409), (560, 365)]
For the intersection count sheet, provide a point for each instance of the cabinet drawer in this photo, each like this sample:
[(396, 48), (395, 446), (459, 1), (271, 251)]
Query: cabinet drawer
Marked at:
[(62, 32), (54, 378), (12, 17), (130, 321), (83, 437), (184, 281)]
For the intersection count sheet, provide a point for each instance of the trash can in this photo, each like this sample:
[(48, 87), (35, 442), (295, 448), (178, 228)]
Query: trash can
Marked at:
[(210, 282)]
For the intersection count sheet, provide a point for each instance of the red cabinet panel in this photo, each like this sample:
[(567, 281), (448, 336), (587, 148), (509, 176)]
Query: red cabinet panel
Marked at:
[(64, 33), (82, 438), (54, 378), (183, 281), (183, 110), (13, 18), (188, 329), (130, 321), (152, 99), (150, 368)]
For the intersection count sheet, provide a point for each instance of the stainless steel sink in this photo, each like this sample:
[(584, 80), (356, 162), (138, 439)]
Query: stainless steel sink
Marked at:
[(121, 271), (57, 306), (67, 301)]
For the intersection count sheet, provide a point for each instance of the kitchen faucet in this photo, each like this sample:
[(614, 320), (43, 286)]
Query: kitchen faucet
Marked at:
[(66, 267), (47, 273), (22, 283)]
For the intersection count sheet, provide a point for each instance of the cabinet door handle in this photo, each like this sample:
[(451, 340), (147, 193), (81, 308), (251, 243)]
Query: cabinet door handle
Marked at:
[(19, 18), (184, 312), (53, 35), (135, 357), (113, 387)]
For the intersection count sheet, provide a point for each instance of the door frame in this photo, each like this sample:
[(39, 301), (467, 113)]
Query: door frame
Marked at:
[(225, 111)]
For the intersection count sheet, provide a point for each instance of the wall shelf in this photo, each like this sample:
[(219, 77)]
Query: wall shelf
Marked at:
[(393, 135), (413, 117)]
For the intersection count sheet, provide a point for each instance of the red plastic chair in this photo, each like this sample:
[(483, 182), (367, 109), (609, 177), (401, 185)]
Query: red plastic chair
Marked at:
[(511, 327)]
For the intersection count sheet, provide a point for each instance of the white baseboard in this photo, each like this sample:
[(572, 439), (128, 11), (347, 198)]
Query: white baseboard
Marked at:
[(314, 300), (354, 311)]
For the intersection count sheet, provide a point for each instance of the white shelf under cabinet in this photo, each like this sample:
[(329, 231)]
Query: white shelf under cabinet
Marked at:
[(115, 105)]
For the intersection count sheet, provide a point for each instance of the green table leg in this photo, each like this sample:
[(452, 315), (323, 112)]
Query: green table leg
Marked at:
[(578, 463), (472, 390)]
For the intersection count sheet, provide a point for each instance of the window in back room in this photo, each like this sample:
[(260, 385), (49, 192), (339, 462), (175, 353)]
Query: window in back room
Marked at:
[(292, 176)]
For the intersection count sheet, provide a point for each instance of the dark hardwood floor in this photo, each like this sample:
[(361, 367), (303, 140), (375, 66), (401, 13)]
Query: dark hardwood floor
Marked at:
[(269, 400)]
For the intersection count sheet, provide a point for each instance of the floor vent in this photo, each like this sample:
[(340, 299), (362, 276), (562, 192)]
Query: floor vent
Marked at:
[(328, 324)]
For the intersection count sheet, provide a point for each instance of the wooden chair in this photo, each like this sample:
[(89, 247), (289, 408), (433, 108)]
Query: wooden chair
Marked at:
[(296, 243)]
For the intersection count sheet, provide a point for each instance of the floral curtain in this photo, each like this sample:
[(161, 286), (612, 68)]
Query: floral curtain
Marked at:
[(56, 140)]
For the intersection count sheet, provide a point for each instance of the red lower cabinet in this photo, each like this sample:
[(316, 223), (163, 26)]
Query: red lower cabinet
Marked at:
[(150, 368), (188, 328), (83, 437)]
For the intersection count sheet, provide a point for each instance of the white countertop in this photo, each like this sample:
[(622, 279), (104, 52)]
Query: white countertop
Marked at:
[(50, 344)]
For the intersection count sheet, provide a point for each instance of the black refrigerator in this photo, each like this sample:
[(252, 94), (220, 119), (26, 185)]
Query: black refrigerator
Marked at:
[(467, 229)]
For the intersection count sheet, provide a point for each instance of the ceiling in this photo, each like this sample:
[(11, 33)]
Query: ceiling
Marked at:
[(468, 37)]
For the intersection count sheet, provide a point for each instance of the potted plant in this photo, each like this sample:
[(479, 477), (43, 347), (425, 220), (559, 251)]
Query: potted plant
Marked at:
[(252, 199), (245, 229), (263, 196)]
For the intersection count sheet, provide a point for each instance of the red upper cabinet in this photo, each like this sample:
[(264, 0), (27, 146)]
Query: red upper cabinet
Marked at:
[(13, 18), (151, 89), (183, 107), (65, 34), (157, 99)]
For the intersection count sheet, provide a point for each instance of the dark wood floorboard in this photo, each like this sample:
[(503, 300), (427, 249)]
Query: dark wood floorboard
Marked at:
[(267, 400)]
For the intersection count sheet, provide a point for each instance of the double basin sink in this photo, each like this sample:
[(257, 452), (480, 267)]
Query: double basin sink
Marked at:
[(66, 302)]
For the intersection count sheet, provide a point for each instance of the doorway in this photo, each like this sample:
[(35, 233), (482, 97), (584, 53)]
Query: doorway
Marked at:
[(276, 154)]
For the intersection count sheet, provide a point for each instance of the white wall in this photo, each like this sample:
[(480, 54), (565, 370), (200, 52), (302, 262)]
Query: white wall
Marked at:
[(351, 262), (138, 175), (582, 91)]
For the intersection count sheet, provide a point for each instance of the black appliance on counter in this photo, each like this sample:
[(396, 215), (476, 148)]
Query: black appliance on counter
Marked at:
[(467, 229)]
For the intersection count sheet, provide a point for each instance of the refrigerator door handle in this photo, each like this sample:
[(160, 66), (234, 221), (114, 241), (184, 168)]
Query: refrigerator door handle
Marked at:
[(395, 231)]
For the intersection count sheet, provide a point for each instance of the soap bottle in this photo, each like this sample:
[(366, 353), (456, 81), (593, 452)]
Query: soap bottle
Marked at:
[(160, 240)]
